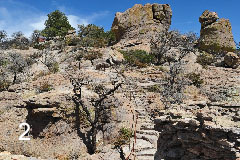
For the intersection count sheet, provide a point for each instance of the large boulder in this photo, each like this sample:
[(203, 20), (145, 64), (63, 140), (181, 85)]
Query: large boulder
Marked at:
[(216, 35), (232, 60), (138, 24), (208, 18)]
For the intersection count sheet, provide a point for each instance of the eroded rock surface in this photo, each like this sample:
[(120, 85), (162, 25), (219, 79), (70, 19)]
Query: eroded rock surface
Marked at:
[(199, 131), (138, 24)]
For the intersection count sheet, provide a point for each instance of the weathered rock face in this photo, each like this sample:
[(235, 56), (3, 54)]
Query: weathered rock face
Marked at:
[(232, 60), (215, 36), (141, 22), (199, 131)]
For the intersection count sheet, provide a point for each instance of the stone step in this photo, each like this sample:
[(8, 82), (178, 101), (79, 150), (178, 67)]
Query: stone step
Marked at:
[(150, 138), (147, 126), (145, 158), (140, 109), (143, 144), (141, 112), (143, 149), (148, 132), (142, 117), (147, 152), (146, 120)]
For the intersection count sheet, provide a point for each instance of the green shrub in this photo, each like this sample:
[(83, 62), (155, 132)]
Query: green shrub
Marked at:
[(138, 58), (95, 36), (92, 55), (45, 87), (71, 41), (195, 79), (53, 67), (154, 88), (205, 59), (3, 62), (4, 85), (124, 136), (42, 46)]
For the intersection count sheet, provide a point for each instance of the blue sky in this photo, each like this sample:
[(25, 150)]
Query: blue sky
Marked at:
[(27, 15)]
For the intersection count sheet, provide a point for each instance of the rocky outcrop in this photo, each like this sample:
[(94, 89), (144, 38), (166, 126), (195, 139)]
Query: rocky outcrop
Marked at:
[(232, 60), (138, 24), (199, 131), (216, 35)]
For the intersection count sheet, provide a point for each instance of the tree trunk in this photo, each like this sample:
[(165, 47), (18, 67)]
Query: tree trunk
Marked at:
[(94, 139), (15, 78), (79, 65)]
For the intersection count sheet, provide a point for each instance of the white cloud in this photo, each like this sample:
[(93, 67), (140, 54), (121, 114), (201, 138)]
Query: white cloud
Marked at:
[(39, 24), (75, 21), (25, 18)]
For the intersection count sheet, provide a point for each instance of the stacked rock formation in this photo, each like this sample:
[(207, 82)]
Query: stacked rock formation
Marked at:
[(138, 24), (216, 35)]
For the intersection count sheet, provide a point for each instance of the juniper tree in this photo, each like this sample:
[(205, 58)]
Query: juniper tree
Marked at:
[(57, 24)]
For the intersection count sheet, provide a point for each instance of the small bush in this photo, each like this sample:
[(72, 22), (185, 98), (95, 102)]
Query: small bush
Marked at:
[(79, 56), (95, 36), (30, 61), (124, 136), (45, 87), (42, 46), (138, 58), (53, 67), (69, 41), (3, 62), (195, 78), (39, 46), (35, 55), (205, 59), (154, 88), (4, 85), (92, 55)]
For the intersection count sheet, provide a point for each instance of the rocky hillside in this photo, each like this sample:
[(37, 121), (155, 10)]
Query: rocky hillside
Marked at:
[(187, 106)]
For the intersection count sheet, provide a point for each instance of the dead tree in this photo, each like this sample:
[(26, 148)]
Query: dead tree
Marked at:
[(98, 106), (175, 82), (17, 64)]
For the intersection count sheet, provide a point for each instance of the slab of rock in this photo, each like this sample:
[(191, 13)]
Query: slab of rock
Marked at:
[(232, 60), (187, 132), (8, 156), (215, 36)]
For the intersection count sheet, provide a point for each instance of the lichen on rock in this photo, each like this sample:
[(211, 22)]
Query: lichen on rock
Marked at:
[(138, 24), (215, 35)]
